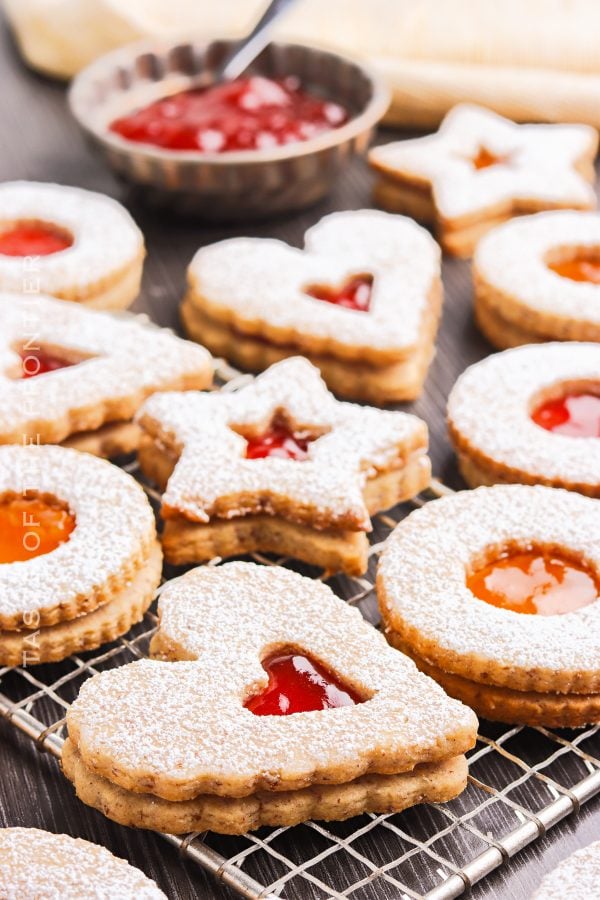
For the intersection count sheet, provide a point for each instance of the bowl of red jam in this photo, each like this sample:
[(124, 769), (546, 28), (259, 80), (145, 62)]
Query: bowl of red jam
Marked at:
[(271, 141)]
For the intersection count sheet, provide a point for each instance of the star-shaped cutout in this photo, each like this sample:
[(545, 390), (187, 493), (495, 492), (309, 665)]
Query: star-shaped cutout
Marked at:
[(480, 164), (347, 445)]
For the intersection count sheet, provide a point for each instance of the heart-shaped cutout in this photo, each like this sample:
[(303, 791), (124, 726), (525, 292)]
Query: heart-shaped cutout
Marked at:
[(298, 683), (354, 293), (360, 260)]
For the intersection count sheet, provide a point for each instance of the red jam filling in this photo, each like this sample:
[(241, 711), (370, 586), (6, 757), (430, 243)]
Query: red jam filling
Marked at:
[(39, 362), (279, 442), (298, 683), (533, 582), (31, 527), (575, 415), (582, 268), (252, 113), (355, 293), (33, 239)]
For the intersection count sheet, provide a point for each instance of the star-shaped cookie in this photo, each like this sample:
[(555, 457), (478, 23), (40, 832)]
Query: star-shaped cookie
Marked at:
[(279, 466), (480, 169)]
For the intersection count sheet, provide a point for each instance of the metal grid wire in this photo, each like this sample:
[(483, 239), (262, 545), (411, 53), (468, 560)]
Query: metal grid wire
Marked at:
[(522, 781)]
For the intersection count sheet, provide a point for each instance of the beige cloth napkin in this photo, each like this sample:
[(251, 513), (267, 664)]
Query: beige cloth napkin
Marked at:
[(528, 59)]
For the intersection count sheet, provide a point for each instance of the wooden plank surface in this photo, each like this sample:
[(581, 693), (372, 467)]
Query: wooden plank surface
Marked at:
[(39, 140)]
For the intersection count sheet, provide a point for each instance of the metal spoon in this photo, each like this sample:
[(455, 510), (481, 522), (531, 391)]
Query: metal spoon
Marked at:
[(249, 48)]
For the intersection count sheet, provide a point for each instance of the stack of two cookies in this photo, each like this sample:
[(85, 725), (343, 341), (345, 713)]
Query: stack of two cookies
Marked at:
[(272, 720)]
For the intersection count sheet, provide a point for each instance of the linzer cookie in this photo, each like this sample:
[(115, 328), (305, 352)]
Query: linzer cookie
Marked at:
[(361, 301), (38, 865), (272, 719), (494, 593), (530, 415), (72, 243), (279, 466), (73, 376), (538, 279), (79, 559), (480, 169), (575, 878)]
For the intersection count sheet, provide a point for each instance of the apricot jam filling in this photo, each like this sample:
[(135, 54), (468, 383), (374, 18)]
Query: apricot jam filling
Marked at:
[(574, 415), (535, 582), (484, 159), (32, 526), (33, 239), (298, 683), (583, 267), (354, 293)]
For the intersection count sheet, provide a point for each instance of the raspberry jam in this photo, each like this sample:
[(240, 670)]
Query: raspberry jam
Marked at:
[(582, 268), (575, 415), (39, 362), (298, 683), (33, 239), (252, 113), (533, 582), (278, 442), (355, 293), (31, 527)]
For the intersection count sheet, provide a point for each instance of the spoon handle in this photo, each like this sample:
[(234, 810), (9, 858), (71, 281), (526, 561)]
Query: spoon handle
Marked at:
[(253, 43)]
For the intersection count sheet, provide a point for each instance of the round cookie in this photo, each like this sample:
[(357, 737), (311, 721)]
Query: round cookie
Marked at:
[(575, 878), (531, 553), (79, 558), (530, 415), (537, 278), (37, 864), (66, 241)]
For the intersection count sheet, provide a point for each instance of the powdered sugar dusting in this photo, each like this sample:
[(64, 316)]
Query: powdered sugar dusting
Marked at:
[(575, 878), (263, 280), (114, 525), (540, 164), (491, 402), (106, 239), (424, 565), (512, 259), (36, 864), (356, 442), (226, 619), (128, 357)]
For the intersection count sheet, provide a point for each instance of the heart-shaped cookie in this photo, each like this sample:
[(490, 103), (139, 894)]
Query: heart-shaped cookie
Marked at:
[(227, 767), (361, 301)]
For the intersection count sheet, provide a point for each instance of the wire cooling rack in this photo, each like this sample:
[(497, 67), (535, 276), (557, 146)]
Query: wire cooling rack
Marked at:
[(522, 781)]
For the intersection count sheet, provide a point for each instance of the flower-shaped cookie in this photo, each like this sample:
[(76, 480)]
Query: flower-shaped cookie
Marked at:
[(279, 466), (77, 376), (361, 301), (537, 279), (75, 244), (530, 415), (480, 169), (36, 864), (272, 719), (79, 559), (494, 593)]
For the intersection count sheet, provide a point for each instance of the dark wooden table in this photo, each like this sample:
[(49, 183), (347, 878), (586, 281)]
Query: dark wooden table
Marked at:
[(39, 141)]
